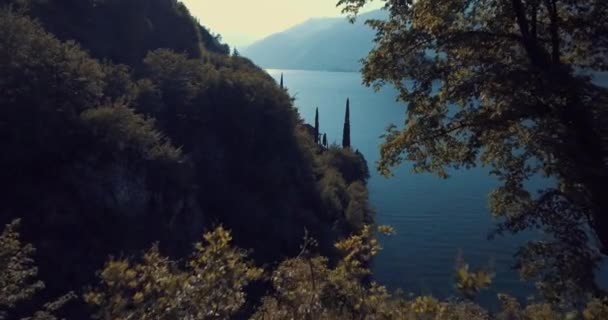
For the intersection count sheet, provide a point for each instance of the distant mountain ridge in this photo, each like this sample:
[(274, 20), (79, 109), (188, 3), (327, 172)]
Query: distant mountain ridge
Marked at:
[(332, 44)]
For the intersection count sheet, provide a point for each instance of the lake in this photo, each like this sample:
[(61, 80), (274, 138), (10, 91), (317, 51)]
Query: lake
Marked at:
[(436, 219)]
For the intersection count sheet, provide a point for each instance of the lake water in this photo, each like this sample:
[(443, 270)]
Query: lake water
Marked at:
[(435, 219)]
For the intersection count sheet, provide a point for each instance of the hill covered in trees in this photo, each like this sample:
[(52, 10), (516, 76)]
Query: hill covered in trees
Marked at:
[(113, 152), (331, 44), (125, 123)]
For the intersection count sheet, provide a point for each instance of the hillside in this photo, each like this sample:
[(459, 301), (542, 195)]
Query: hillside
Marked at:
[(317, 44), (125, 123)]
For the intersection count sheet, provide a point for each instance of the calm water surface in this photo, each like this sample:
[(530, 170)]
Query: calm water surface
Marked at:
[(435, 219)]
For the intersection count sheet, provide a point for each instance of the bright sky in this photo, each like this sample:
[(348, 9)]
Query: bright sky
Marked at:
[(241, 22)]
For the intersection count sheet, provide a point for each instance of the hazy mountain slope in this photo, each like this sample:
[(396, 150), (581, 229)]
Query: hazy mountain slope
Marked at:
[(317, 44)]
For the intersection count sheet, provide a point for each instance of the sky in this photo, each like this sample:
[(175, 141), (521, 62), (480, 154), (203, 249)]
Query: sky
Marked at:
[(241, 22)]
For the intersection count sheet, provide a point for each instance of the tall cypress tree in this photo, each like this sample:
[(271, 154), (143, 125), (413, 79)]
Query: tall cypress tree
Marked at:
[(281, 80), (317, 125), (325, 140), (346, 131)]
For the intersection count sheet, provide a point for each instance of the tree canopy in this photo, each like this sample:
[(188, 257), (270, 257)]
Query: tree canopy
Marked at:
[(211, 285), (506, 84)]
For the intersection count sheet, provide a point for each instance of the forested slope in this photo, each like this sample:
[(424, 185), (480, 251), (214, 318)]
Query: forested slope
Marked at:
[(124, 123)]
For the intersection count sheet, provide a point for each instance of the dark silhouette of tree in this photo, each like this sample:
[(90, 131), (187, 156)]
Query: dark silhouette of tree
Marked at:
[(317, 126), (325, 140), (504, 89), (346, 130), (281, 84)]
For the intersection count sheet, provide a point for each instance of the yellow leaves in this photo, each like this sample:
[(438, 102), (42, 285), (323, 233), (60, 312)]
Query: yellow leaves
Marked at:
[(470, 283), (596, 309), (218, 238), (426, 305), (94, 298), (424, 17), (299, 286), (115, 271), (138, 297), (358, 250), (386, 230), (156, 288), (511, 309), (254, 273), (304, 288), (541, 311), (17, 271)]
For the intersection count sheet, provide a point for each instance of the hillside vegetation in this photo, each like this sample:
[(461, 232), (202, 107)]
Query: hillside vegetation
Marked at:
[(124, 127), (147, 174)]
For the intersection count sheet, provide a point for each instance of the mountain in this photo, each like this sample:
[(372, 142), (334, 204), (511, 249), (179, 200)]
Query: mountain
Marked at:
[(317, 44)]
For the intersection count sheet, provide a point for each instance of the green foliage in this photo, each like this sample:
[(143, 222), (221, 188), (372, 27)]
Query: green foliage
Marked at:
[(78, 160), (218, 129), (88, 159), (505, 85), (350, 164), (119, 86), (317, 125), (120, 127), (18, 276), (346, 130), (333, 192), (343, 175), (105, 158), (358, 212)]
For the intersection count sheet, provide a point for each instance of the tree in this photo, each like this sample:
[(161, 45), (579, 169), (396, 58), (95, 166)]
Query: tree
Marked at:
[(18, 276), (317, 126), (325, 140), (346, 131), (351, 164), (281, 85), (212, 286), (506, 84)]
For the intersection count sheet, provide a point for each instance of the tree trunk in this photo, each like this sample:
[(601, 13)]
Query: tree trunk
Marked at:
[(587, 155)]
